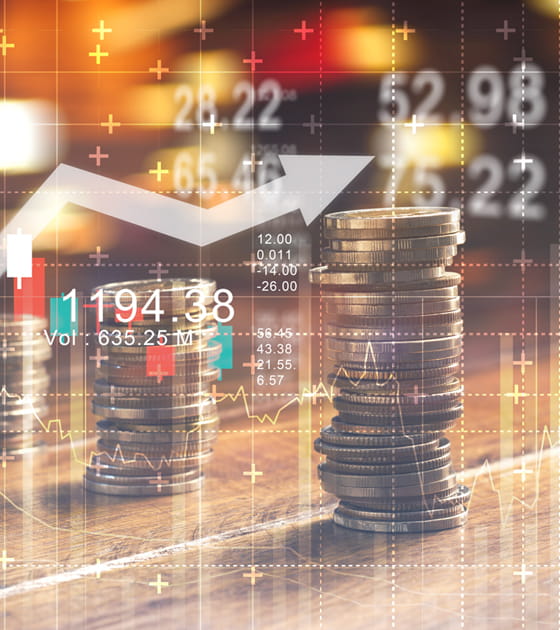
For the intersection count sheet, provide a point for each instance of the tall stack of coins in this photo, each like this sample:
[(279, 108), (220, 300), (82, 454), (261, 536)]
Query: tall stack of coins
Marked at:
[(394, 334), (153, 387), (25, 384)]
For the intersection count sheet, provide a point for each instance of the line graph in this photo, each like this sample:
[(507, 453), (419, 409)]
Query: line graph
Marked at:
[(309, 396), (296, 189), (490, 470)]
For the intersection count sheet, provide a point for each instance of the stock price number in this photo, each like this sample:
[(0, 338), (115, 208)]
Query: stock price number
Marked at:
[(274, 352), (490, 96), (126, 307), (274, 255)]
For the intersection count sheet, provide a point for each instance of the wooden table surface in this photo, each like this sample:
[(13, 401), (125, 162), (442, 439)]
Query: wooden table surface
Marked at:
[(85, 561)]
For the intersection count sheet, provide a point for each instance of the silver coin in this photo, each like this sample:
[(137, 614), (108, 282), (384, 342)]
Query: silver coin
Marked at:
[(392, 468), (184, 357), (148, 480), (444, 410), (408, 423), (392, 385), (388, 258), (357, 371), (396, 426), (421, 308), (157, 441), (402, 480), (387, 234), (427, 408), (110, 431), (343, 491), (427, 347), (400, 527), (453, 496), (328, 276), (400, 515), (355, 330), (394, 366), (361, 297), (138, 462), (157, 451), (180, 352), (115, 464), (362, 243), (160, 487), (149, 401), (200, 378), (104, 388), (402, 397), (356, 438), (392, 219), (207, 407), (407, 369), (390, 291), (395, 321), (393, 427), (384, 435), (379, 455)]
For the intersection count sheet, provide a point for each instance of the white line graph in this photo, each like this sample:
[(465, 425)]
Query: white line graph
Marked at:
[(309, 184)]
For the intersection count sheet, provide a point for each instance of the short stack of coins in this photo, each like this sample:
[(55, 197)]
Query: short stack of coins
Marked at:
[(153, 387), (394, 334), (25, 384)]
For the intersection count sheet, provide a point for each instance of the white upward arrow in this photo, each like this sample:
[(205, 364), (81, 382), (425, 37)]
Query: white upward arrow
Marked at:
[(309, 183)]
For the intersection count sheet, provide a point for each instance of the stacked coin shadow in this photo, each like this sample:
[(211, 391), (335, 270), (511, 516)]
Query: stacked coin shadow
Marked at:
[(159, 420), (25, 384), (393, 333)]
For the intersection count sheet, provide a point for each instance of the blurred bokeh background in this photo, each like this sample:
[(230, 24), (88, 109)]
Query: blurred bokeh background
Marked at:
[(458, 102)]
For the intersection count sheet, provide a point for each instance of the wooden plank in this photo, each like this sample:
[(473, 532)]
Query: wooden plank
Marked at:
[(315, 574), (51, 528)]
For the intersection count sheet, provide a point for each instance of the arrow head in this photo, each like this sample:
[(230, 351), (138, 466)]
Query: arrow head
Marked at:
[(314, 181)]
